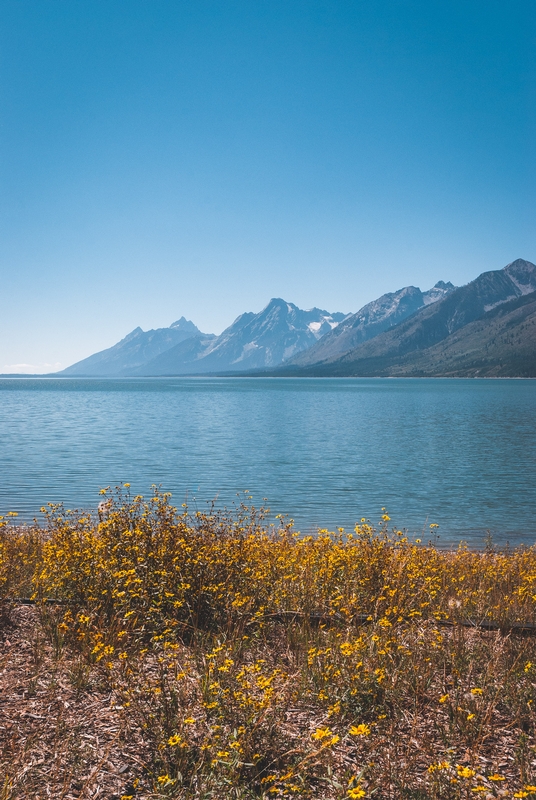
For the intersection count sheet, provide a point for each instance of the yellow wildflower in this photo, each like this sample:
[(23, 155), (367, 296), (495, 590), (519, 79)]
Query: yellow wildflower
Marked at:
[(465, 772), (359, 730), (321, 733)]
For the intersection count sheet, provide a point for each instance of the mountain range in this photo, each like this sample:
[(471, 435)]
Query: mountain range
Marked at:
[(485, 328), (466, 333), (253, 341), (381, 315)]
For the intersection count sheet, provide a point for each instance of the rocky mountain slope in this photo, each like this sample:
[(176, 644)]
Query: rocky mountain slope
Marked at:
[(253, 341), (133, 351), (502, 343), (380, 315), (438, 339)]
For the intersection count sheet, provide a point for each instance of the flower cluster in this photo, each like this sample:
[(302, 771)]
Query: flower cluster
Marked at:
[(342, 665)]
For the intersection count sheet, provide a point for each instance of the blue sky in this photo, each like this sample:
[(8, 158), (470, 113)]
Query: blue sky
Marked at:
[(197, 158)]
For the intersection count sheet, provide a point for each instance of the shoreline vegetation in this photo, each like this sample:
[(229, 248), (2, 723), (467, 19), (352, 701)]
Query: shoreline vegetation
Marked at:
[(168, 654)]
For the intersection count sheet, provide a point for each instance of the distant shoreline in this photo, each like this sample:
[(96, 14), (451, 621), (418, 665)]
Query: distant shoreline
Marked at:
[(12, 376)]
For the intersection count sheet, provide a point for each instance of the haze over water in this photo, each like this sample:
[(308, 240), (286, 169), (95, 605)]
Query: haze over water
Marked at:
[(327, 452)]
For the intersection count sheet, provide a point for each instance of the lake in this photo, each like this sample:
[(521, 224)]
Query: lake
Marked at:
[(326, 452)]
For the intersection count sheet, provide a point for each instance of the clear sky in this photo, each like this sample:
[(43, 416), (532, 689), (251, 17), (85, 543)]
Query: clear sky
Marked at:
[(161, 158)]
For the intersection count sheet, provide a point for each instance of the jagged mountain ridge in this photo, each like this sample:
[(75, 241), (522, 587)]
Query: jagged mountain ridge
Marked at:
[(133, 351), (387, 336), (401, 349), (253, 341), (380, 315), (500, 343)]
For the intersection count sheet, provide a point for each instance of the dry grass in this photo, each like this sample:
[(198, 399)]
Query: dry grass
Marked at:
[(206, 656)]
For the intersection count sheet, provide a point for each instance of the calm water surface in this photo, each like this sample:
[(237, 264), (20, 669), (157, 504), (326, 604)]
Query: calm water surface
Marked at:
[(327, 452)]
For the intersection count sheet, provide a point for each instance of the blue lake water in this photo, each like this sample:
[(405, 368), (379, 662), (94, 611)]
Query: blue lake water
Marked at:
[(327, 452)]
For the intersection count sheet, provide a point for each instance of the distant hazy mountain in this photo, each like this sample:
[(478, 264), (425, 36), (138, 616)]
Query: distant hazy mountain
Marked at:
[(432, 340), (134, 350), (374, 318), (253, 341)]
